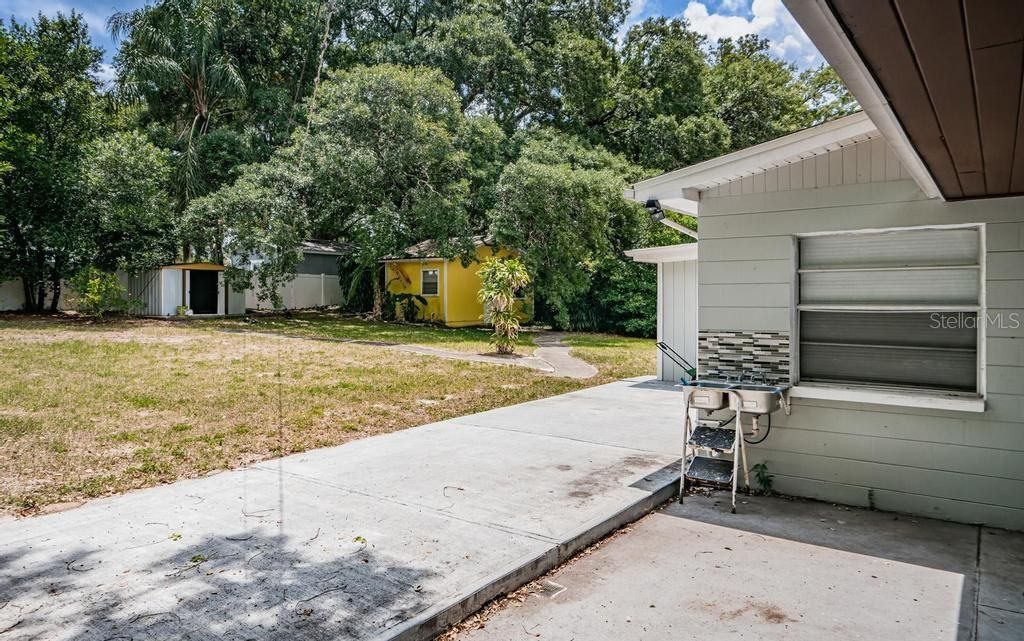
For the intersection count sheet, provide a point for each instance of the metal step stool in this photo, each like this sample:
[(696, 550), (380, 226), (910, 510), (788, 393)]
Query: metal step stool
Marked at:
[(706, 444), (710, 470)]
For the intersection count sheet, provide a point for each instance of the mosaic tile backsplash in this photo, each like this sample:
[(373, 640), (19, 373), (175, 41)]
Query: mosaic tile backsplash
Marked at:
[(725, 353)]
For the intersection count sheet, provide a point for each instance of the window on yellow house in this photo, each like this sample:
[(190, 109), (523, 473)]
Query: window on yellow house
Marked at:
[(428, 286)]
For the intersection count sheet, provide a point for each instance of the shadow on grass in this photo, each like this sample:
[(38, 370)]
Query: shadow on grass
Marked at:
[(231, 588)]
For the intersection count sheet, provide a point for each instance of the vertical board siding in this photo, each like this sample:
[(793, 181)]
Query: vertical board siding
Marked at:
[(867, 161), (679, 315), (945, 464)]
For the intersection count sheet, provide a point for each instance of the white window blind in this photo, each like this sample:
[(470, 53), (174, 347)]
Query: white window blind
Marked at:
[(429, 284), (898, 308)]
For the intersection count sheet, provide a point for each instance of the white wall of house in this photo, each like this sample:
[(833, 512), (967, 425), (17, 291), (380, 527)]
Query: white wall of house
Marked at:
[(959, 465), (677, 316)]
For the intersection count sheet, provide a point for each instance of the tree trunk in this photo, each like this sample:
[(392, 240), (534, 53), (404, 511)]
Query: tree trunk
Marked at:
[(40, 296), (30, 297), (378, 302), (55, 283)]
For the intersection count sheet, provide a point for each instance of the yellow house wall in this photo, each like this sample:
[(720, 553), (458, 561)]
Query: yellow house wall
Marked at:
[(413, 282), (456, 304)]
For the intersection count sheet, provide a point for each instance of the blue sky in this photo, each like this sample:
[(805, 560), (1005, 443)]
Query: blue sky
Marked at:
[(714, 18), (733, 18)]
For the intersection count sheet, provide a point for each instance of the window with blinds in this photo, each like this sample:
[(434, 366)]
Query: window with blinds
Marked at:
[(428, 286), (894, 309)]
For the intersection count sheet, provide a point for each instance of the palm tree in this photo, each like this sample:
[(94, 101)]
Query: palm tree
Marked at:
[(173, 55)]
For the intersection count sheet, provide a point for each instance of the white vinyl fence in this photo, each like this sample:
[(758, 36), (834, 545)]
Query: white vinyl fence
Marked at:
[(306, 290)]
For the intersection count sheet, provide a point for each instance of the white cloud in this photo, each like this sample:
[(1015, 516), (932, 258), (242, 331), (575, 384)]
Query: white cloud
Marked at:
[(732, 5), (766, 18), (717, 25), (786, 44), (106, 74)]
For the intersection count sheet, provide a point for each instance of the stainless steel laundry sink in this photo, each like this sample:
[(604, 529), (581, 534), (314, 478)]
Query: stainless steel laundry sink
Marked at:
[(707, 395), (751, 398)]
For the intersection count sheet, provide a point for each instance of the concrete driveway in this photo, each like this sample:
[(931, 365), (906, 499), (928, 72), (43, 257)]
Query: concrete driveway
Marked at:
[(391, 537), (780, 569)]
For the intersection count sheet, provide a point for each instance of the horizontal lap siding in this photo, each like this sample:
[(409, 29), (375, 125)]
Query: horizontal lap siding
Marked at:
[(954, 465)]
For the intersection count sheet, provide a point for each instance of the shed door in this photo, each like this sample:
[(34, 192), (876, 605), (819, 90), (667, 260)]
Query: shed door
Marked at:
[(202, 291)]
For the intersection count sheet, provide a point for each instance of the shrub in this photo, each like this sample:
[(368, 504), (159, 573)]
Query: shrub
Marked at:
[(408, 306), (100, 293), (500, 279)]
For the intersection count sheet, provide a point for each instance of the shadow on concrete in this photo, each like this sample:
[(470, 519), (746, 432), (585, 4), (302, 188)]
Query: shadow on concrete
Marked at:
[(661, 386), (937, 545), (230, 588)]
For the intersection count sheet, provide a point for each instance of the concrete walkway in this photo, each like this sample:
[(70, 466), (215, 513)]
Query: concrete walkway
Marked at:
[(781, 569), (391, 537), (552, 349)]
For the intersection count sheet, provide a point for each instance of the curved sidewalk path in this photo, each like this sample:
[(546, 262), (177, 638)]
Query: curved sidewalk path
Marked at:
[(551, 356)]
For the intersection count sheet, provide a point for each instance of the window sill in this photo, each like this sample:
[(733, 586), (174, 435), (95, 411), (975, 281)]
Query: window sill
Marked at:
[(880, 397)]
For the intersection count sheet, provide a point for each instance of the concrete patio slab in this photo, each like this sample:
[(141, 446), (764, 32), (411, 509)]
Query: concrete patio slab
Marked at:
[(391, 537), (780, 569)]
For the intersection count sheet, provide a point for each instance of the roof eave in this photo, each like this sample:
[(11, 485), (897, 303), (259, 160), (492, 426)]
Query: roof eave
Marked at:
[(677, 190), (665, 254), (821, 26)]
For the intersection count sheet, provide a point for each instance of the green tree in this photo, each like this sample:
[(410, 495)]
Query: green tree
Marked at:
[(384, 151), (658, 114), (260, 219), (561, 204), (174, 58), (125, 182), (50, 66), (500, 280), (826, 95), (382, 166), (758, 97), (540, 61)]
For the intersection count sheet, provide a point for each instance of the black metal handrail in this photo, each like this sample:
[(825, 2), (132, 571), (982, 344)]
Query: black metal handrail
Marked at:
[(677, 358)]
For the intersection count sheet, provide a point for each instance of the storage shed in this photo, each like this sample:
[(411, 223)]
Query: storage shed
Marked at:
[(198, 287), (677, 304)]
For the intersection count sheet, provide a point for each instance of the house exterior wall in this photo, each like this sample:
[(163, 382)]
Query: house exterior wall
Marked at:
[(677, 315), (941, 463), (457, 303), (405, 277)]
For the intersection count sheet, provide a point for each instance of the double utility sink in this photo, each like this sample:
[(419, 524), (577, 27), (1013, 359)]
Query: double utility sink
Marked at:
[(748, 398)]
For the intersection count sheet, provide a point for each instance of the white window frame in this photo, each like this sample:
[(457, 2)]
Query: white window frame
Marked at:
[(437, 282), (893, 395)]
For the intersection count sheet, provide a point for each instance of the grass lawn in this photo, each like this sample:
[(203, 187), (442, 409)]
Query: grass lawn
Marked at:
[(336, 326), (90, 409)]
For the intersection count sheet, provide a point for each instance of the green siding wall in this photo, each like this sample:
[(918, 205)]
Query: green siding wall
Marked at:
[(953, 465)]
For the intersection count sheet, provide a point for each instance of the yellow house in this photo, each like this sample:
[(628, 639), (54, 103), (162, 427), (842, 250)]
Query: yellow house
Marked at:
[(450, 289)]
